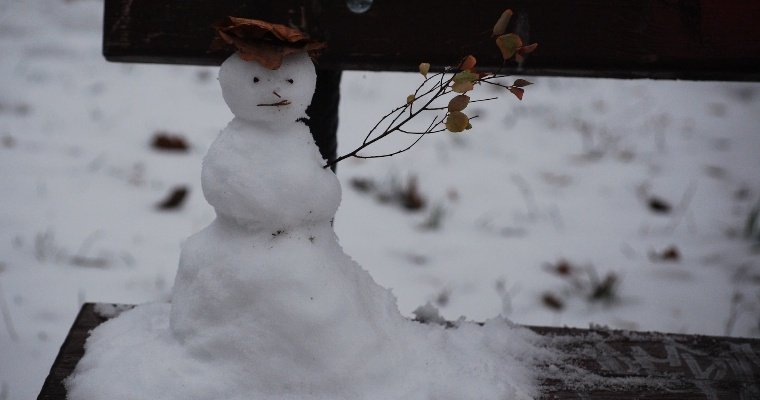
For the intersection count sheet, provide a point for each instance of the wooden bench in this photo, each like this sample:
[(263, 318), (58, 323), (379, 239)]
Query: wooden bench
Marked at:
[(660, 39), (652, 365), (668, 39)]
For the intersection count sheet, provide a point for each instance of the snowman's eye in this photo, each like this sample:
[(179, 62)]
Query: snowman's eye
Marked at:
[(256, 79), (290, 81)]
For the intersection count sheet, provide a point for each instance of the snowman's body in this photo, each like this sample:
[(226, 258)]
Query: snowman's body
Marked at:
[(267, 306), (269, 267)]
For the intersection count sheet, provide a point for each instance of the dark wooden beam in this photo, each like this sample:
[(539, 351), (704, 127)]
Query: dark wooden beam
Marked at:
[(668, 39), (671, 366)]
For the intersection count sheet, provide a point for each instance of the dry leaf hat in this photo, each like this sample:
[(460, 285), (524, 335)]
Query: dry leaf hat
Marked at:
[(263, 42)]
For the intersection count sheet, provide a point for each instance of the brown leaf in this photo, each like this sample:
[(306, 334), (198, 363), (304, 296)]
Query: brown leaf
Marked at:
[(528, 49), (457, 121), (501, 24), (410, 197), (523, 52), (458, 103), (168, 141), (175, 199), (521, 83), (410, 99), (563, 268), (468, 63), (518, 92), (263, 42), (553, 302)]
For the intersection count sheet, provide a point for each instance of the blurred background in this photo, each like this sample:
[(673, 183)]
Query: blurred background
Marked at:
[(629, 204)]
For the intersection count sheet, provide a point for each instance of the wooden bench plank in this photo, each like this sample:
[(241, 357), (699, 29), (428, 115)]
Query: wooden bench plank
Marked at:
[(71, 352), (671, 366), (685, 39)]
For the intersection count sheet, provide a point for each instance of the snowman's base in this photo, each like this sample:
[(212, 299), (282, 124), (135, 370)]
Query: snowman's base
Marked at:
[(655, 365)]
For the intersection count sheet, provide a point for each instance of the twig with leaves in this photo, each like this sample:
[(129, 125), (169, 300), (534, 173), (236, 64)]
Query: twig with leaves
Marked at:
[(427, 98)]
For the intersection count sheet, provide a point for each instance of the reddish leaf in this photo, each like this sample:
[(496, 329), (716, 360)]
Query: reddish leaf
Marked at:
[(518, 92), (468, 63), (521, 83), (523, 52), (528, 49), (501, 24)]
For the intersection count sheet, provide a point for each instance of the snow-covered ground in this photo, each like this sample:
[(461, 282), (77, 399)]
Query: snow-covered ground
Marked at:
[(576, 172)]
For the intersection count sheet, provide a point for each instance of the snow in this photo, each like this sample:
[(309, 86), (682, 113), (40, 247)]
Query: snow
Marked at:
[(266, 305), (79, 178), (163, 369)]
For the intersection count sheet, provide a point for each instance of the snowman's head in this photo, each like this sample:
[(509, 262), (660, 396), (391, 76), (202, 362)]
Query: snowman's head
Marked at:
[(270, 97)]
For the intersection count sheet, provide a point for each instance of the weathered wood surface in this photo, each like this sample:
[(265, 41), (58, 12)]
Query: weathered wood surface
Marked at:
[(650, 365), (71, 352), (670, 39), (617, 364)]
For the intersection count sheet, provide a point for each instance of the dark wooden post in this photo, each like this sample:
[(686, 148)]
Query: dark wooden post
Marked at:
[(323, 113)]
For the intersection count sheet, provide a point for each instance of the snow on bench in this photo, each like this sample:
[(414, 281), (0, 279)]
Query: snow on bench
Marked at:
[(611, 364), (696, 39)]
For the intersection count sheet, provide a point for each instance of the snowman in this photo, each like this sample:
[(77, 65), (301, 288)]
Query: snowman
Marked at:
[(269, 267), (266, 305)]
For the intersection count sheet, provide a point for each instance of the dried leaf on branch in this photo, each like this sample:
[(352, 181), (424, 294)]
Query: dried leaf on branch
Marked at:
[(263, 42), (458, 103), (428, 99), (424, 69), (501, 24)]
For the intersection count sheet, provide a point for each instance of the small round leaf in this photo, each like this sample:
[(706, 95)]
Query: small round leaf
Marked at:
[(458, 103), (457, 121), (424, 68)]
